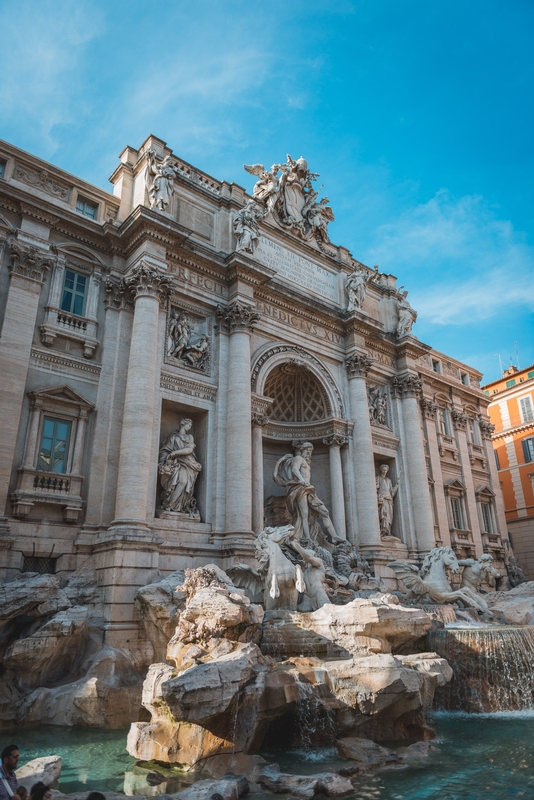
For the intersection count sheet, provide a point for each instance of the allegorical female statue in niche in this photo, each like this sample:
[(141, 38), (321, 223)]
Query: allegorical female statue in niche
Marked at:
[(178, 472)]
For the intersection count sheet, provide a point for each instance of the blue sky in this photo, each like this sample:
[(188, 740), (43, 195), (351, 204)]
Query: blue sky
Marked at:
[(417, 113)]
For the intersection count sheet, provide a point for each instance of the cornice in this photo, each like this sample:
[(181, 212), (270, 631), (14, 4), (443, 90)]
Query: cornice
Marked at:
[(241, 268), (362, 324), (188, 386), (145, 224), (525, 427)]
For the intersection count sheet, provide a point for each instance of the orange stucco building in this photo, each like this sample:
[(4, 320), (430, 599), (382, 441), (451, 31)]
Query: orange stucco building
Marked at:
[(512, 413)]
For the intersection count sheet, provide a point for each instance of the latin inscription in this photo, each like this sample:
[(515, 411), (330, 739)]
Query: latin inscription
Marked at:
[(201, 281), (300, 324), (297, 269)]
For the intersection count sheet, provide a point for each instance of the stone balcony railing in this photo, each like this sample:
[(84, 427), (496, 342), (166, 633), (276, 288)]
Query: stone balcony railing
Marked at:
[(462, 542), (35, 486)]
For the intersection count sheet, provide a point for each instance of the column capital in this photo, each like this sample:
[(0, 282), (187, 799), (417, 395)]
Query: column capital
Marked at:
[(358, 365), (429, 408), (238, 317), (259, 420), (117, 295), (486, 428), (147, 281), (459, 420), (409, 386), (29, 262), (336, 440)]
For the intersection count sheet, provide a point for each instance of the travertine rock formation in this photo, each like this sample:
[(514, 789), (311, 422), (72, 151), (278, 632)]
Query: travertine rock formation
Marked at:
[(213, 708)]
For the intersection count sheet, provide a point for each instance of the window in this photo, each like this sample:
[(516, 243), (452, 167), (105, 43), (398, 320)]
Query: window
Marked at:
[(486, 517), (44, 566), (473, 429), (497, 459), (510, 383), (486, 391), (457, 515), (527, 412), (443, 418), (2, 168), (530, 374), (465, 378), (54, 445), (436, 366), (86, 208), (528, 449), (74, 293)]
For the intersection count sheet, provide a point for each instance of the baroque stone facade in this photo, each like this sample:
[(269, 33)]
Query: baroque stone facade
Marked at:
[(180, 299)]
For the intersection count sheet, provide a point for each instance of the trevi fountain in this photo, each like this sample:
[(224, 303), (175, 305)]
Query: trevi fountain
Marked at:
[(253, 538)]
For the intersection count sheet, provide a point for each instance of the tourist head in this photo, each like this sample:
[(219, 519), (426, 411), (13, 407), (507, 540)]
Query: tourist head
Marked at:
[(22, 792), (10, 757), (40, 791), (96, 796)]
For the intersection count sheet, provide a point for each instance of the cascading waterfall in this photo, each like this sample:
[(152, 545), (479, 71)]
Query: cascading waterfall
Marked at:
[(313, 716), (493, 668)]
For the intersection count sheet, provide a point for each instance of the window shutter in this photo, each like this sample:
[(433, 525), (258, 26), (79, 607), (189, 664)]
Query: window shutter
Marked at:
[(526, 409), (527, 449)]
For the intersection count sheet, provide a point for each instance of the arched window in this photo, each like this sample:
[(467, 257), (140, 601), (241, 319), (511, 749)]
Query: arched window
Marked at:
[(298, 395)]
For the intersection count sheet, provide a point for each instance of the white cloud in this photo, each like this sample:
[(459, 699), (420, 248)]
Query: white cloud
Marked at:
[(41, 60), (470, 265)]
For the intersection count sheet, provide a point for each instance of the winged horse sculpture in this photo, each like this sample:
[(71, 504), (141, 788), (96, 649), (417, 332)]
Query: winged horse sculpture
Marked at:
[(432, 579)]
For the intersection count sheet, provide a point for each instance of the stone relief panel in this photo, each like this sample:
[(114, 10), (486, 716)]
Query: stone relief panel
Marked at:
[(188, 342), (378, 405)]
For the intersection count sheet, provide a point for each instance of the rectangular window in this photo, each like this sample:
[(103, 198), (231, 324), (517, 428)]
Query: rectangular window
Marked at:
[(465, 378), (511, 383), (86, 208), (457, 515), (54, 448), (436, 366), (473, 427), (527, 412), (528, 449), (530, 374), (444, 422), (486, 518), (2, 168), (74, 293), (497, 459), (44, 566)]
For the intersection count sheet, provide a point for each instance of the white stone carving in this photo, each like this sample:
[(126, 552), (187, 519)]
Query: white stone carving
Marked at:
[(305, 508), (378, 404), (476, 572), (351, 565), (178, 472), (188, 346), (432, 580), (286, 191), (356, 285), (246, 227), (282, 579), (160, 180), (407, 315), (385, 492)]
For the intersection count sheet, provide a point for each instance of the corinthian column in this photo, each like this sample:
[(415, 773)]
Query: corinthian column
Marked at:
[(410, 389), (364, 466), (335, 443), (149, 288), (259, 421), (238, 320), (28, 270)]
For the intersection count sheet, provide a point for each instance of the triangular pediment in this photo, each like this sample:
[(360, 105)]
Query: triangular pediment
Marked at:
[(485, 491), (65, 394), (455, 484)]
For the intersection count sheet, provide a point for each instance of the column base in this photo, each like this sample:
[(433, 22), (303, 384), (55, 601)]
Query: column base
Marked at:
[(126, 531), (236, 546)]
